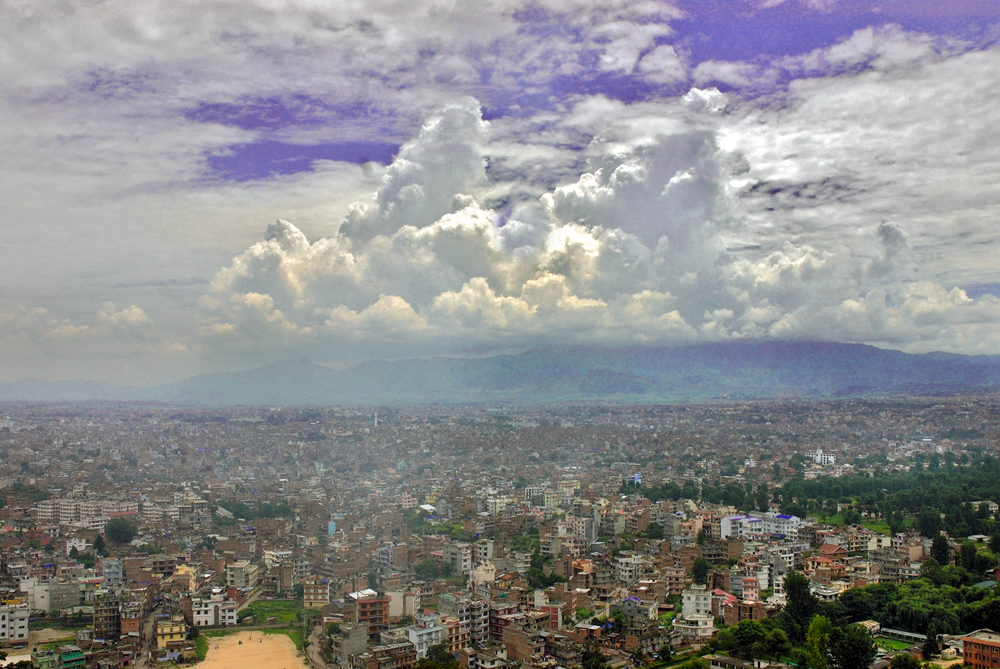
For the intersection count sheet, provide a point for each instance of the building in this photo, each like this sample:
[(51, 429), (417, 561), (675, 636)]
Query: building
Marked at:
[(371, 608), (243, 575), (425, 633), (695, 629), (697, 601), (214, 610), (393, 656), (981, 649), (316, 593), (14, 621), (107, 619), (171, 633)]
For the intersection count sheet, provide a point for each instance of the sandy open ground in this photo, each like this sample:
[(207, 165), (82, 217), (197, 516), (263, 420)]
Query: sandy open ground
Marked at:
[(258, 651), (36, 638)]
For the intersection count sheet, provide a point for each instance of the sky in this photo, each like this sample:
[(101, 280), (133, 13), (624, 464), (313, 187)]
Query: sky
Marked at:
[(191, 187)]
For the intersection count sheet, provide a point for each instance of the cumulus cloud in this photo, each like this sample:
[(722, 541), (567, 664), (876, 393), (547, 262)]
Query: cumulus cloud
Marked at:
[(631, 251)]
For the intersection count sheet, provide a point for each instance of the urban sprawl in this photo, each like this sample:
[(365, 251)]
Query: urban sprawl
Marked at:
[(841, 534)]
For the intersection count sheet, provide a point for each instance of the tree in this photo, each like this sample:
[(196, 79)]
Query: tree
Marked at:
[(896, 522), (99, 546), (800, 607), (592, 657), (776, 644), (817, 643), (749, 636), (654, 531), (851, 647), (940, 550), (119, 531), (930, 648), (700, 570), (929, 522), (969, 557), (299, 590), (439, 653), (666, 652), (904, 661)]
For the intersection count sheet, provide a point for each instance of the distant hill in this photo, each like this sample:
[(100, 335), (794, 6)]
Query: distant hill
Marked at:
[(734, 370)]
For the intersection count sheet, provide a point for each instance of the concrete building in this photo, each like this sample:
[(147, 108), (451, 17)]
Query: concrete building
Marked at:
[(14, 622), (697, 601), (316, 593), (243, 575), (214, 610)]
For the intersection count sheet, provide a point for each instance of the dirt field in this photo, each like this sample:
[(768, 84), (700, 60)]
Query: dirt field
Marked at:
[(36, 638), (258, 651)]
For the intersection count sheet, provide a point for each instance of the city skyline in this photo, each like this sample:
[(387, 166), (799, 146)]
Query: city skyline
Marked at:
[(224, 186)]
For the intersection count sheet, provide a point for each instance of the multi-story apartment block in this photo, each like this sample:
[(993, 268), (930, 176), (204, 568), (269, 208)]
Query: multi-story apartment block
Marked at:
[(14, 621), (214, 610)]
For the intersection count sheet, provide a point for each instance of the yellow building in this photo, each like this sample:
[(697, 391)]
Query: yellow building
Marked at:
[(171, 633)]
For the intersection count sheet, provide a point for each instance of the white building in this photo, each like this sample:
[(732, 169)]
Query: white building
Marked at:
[(781, 524), (628, 568), (426, 633), (696, 629), (215, 610), (14, 622), (737, 526), (697, 601), (821, 458)]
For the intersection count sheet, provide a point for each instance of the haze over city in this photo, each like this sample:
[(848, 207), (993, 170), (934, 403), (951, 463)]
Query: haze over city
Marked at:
[(215, 186)]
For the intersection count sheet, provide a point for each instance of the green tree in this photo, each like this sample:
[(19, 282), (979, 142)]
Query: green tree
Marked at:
[(896, 522), (851, 647), (119, 531), (940, 550), (441, 657), (904, 661), (929, 522), (817, 643), (749, 636), (932, 571), (299, 590), (666, 653), (654, 531), (592, 657), (930, 648), (968, 556), (800, 607), (700, 570), (99, 546), (775, 645)]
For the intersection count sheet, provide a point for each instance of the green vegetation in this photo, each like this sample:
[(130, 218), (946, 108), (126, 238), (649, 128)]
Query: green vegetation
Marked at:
[(283, 611), (891, 644), (293, 633), (201, 647), (119, 531), (431, 569)]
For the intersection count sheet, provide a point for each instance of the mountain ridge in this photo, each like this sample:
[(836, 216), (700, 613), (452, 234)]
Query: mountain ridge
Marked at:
[(674, 374)]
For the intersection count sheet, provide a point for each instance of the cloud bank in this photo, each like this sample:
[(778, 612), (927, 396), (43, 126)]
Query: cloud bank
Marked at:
[(533, 174)]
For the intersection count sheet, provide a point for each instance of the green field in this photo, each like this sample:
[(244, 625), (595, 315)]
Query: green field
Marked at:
[(284, 612), (879, 526), (891, 644), (293, 633)]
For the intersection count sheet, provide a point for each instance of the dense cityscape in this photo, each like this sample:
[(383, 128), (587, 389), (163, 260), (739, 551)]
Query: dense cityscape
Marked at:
[(835, 534)]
